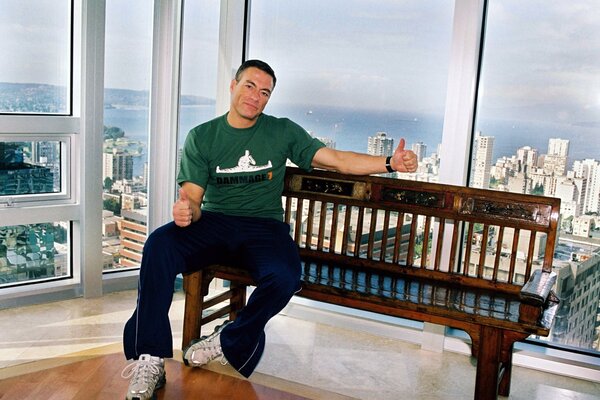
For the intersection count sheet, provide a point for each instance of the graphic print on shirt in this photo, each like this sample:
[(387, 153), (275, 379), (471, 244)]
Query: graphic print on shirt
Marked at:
[(246, 163)]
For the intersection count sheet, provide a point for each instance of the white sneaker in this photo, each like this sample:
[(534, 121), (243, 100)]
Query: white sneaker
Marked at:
[(202, 351), (147, 375)]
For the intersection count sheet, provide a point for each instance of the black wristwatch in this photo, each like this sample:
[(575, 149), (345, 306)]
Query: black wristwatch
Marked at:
[(388, 166)]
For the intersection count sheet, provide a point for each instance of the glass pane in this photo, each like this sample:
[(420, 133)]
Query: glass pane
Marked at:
[(537, 127), (36, 77), (199, 53), (349, 71), (30, 167), (34, 252), (128, 76)]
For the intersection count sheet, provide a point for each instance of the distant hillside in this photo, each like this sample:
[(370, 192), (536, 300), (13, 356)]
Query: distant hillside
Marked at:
[(34, 97), (140, 98)]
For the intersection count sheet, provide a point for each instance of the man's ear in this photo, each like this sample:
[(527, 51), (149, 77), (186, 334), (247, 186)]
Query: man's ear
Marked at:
[(232, 85)]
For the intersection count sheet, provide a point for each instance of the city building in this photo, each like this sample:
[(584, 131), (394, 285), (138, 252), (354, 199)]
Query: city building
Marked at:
[(133, 201), (33, 252), (558, 147), (589, 171), (117, 165), (26, 179), (380, 145), (578, 287), (420, 149), (518, 183), (555, 162), (584, 225), (133, 235), (19, 175), (111, 224), (48, 154), (527, 158), (482, 161), (571, 192)]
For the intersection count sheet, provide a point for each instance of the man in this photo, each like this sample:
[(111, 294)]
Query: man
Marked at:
[(229, 211)]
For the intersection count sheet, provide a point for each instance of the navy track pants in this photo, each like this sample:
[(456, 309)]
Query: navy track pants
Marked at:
[(262, 245)]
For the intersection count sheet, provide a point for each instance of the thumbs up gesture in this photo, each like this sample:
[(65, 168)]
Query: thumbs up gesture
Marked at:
[(404, 160), (182, 210)]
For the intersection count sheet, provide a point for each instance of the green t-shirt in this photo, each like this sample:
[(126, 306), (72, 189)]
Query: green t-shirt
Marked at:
[(242, 170)]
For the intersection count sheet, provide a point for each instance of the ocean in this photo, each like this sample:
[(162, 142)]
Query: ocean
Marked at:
[(350, 129)]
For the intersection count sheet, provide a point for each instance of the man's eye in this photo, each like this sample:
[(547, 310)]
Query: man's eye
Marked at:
[(265, 94)]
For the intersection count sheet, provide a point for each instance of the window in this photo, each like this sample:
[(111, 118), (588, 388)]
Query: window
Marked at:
[(35, 146), (537, 127), (33, 169), (348, 71), (199, 53), (126, 130), (34, 252), (35, 71)]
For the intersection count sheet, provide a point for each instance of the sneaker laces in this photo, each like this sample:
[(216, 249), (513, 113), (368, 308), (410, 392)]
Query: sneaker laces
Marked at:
[(142, 370)]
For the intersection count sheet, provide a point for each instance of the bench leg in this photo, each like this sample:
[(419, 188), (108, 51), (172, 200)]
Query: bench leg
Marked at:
[(238, 299), (194, 299), (488, 364), (504, 386), (507, 356)]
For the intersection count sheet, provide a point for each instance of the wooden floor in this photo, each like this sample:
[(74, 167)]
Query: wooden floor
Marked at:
[(100, 378)]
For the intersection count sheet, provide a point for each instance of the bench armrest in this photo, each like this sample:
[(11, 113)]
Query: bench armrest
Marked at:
[(537, 289)]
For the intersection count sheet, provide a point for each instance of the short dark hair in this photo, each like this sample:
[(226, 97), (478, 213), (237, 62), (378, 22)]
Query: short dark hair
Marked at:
[(263, 66)]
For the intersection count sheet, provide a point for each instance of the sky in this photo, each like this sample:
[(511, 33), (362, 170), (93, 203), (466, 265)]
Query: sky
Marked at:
[(356, 52), (542, 60), (35, 41), (541, 57)]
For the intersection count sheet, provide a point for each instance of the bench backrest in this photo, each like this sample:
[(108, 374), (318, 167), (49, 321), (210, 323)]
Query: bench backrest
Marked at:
[(476, 237)]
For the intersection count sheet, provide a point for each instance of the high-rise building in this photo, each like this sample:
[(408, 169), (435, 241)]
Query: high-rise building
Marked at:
[(47, 154), (482, 161), (527, 158), (420, 149), (589, 170), (380, 145), (578, 286), (145, 175), (18, 175), (570, 192), (555, 162), (133, 235), (117, 165), (12, 153), (558, 147)]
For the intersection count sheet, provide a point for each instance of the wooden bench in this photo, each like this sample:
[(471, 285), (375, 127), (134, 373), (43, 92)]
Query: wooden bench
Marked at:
[(471, 259)]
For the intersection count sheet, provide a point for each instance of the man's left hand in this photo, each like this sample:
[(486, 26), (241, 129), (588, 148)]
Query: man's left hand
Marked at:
[(404, 160)]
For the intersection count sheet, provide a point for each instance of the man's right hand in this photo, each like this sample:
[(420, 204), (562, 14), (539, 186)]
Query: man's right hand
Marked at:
[(182, 210)]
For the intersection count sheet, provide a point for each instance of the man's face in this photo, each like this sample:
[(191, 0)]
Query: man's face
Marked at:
[(249, 96)]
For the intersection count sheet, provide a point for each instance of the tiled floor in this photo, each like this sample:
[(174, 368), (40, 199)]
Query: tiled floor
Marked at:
[(312, 359)]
